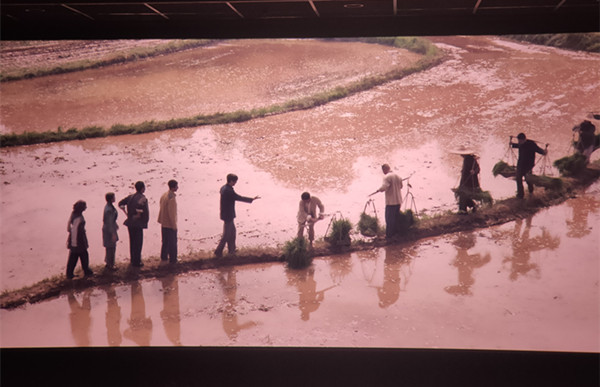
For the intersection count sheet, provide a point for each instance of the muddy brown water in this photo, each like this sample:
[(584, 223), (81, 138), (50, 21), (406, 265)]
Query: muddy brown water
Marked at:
[(488, 89)]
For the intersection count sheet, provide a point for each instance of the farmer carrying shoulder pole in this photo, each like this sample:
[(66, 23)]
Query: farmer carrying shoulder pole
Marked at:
[(527, 150), (392, 186)]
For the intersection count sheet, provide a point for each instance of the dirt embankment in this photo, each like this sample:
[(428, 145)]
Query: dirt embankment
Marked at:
[(501, 212)]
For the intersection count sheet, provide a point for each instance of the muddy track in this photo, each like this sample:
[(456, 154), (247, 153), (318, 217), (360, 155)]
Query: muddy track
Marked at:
[(501, 212)]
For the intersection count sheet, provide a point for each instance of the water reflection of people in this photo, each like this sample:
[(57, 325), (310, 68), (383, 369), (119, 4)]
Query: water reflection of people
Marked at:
[(523, 246), (340, 267), (309, 298), (170, 313), (466, 263), (389, 292), (113, 317), (582, 207), (80, 318), (140, 326), (231, 325)]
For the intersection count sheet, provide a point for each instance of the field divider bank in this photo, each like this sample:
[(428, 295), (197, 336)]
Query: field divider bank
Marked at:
[(500, 212)]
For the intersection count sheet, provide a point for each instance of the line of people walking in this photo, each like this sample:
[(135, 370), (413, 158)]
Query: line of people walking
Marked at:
[(135, 208)]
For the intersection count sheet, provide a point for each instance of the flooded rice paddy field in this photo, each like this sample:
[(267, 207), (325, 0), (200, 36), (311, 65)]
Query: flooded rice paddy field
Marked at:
[(224, 77), (434, 293), (488, 89), (518, 286)]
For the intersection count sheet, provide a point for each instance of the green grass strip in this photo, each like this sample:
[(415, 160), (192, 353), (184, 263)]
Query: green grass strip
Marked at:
[(119, 58)]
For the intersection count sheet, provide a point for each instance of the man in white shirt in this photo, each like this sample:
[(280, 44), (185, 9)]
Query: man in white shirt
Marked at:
[(307, 215), (392, 185)]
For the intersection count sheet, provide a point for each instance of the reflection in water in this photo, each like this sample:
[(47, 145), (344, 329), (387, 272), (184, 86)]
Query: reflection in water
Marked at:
[(309, 298), (140, 326), (113, 317), (170, 313), (523, 246), (80, 318), (582, 207), (231, 326), (396, 272), (340, 267), (388, 270), (466, 263)]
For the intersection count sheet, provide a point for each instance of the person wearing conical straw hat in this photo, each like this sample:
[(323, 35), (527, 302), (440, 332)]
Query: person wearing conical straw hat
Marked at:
[(469, 180)]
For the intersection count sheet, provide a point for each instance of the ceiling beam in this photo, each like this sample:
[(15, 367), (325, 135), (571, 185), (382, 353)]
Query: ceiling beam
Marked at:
[(312, 4), (235, 10), (77, 11), (156, 10)]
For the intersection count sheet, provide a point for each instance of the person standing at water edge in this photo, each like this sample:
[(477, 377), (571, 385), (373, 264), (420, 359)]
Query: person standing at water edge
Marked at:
[(77, 242), (307, 215), (109, 230), (469, 183), (526, 161), (227, 211), (167, 217), (392, 186), (135, 207)]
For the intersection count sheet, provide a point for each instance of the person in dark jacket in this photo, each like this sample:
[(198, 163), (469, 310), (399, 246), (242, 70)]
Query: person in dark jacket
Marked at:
[(109, 230), (469, 183), (228, 199), (587, 139), (527, 150), (77, 242), (135, 207)]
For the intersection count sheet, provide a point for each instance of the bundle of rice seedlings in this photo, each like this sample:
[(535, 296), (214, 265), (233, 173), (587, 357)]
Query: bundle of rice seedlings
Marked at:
[(502, 168), (368, 225), (484, 197), (340, 233), (406, 220), (296, 253), (571, 165), (552, 183)]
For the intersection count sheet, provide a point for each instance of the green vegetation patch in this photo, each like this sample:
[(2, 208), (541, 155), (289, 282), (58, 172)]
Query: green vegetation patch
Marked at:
[(484, 197), (118, 58), (571, 165), (548, 182), (368, 225), (580, 41), (340, 233), (296, 253), (502, 168), (406, 220)]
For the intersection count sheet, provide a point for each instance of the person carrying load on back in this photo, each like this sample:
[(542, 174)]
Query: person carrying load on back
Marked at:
[(307, 215), (587, 138), (469, 182), (527, 150)]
